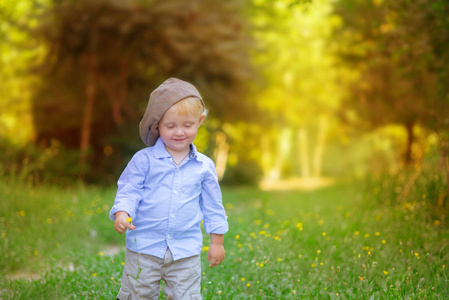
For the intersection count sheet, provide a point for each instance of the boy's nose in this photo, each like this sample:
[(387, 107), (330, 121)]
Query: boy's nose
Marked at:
[(179, 131)]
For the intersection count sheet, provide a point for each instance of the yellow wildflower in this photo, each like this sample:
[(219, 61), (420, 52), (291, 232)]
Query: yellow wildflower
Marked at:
[(129, 219)]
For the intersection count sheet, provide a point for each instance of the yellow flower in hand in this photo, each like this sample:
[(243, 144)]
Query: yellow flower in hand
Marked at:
[(129, 219)]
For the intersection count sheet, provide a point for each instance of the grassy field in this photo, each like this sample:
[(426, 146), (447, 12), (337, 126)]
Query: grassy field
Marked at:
[(339, 242)]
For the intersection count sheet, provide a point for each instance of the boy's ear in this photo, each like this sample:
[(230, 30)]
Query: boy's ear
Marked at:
[(202, 118)]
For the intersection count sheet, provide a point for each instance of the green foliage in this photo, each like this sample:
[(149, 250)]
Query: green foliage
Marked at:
[(331, 243), (36, 165)]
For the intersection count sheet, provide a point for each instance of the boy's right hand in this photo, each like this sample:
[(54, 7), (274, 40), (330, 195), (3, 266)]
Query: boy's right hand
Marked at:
[(121, 224)]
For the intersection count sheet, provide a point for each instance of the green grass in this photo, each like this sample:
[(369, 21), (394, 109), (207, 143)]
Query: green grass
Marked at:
[(338, 242)]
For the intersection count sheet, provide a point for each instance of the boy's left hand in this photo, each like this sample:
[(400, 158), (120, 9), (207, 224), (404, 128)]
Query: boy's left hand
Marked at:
[(215, 255)]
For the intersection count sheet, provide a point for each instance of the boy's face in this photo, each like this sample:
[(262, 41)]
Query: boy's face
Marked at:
[(178, 131)]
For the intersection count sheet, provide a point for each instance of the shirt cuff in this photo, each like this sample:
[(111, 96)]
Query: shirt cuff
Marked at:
[(115, 210), (216, 228)]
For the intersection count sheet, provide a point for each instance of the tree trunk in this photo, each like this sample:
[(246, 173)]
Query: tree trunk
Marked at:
[(410, 139), (284, 143), (86, 126), (267, 156), (221, 154), (319, 147), (303, 152), (444, 150), (117, 90)]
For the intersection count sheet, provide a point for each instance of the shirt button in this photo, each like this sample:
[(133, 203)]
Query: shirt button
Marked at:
[(175, 192), (172, 216), (168, 236)]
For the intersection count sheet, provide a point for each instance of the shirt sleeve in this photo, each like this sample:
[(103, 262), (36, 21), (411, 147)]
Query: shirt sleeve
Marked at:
[(214, 215), (130, 186)]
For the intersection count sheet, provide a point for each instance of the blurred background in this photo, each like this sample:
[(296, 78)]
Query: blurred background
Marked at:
[(301, 93)]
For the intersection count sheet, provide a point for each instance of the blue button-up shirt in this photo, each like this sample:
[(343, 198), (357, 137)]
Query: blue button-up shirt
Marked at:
[(168, 202)]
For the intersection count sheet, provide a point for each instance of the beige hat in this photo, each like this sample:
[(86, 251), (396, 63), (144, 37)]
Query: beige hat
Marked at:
[(161, 99)]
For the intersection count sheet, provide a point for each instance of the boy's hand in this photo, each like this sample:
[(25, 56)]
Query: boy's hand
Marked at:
[(215, 255), (216, 252), (121, 223)]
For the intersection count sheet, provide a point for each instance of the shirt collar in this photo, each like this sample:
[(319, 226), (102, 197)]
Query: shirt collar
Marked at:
[(160, 151)]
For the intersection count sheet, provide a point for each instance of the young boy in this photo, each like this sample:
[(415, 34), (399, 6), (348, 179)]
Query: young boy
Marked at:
[(166, 190)]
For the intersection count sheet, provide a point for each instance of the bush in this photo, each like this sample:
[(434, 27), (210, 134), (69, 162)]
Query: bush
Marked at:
[(245, 173), (423, 189), (36, 165)]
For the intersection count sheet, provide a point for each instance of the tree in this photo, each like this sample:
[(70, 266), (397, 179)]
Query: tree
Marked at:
[(301, 92), (397, 46), (17, 50), (116, 53)]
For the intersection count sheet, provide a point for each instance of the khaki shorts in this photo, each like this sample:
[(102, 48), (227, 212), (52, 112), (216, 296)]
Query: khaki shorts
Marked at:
[(182, 277)]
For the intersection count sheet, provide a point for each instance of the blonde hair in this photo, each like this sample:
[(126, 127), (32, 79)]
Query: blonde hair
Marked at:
[(189, 106)]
